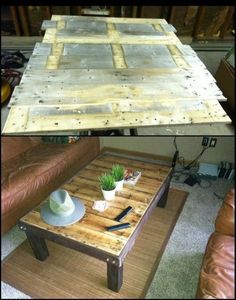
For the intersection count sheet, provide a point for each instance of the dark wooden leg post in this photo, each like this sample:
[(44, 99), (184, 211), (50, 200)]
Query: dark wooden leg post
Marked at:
[(114, 277), (38, 246), (162, 201), (133, 131)]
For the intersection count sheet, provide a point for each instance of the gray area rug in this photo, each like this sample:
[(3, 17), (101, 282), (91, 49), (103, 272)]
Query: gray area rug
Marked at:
[(178, 270), (11, 240)]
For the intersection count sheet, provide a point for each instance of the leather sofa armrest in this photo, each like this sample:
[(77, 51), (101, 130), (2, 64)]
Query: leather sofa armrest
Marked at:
[(224, 222)]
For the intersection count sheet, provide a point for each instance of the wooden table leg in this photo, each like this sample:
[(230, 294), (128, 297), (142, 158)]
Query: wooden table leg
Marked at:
[(133, 131), (114, 276), (38, 246), (162, 201)]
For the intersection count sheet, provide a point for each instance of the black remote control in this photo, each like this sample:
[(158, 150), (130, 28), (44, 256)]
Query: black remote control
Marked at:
[(123, 214), (119, 226)]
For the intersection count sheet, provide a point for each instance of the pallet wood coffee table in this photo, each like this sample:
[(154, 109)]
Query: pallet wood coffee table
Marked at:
[(100, 73), (89, 234)]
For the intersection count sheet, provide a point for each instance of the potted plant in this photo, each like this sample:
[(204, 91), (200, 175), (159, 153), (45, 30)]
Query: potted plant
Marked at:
[(118, 173), (108, 186)]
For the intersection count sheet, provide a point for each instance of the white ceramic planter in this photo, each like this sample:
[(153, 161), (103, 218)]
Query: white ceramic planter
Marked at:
[(119, 185), (109, 195)]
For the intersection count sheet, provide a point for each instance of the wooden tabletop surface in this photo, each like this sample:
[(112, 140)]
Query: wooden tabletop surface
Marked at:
[(90, 230), (93, 73)]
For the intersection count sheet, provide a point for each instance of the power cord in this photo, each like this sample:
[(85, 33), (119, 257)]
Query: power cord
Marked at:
[(175, 144), (176, 155), (181, 157), (188, 170), (195, 160), (205, 186), (218, 196), (191, 178), (178, 158)]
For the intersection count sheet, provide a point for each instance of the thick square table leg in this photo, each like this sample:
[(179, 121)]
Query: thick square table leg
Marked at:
[(162, 201), (133, 131), (114, 277), (38, 246)]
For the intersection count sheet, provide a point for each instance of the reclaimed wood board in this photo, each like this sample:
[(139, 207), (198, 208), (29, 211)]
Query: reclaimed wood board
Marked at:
[(99, 73), (67, 273), (85, 186)]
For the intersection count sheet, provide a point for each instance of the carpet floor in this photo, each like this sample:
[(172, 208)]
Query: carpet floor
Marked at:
[(178, 272)]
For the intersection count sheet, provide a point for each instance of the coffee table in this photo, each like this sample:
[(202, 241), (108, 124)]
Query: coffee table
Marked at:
[(89, 235)]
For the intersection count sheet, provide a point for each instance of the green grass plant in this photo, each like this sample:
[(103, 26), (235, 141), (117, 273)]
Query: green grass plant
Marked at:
[(117, 172), (107, 182)]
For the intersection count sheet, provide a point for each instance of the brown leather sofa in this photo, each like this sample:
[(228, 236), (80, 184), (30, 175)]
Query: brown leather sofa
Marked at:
[(216, 279), (31, 170)]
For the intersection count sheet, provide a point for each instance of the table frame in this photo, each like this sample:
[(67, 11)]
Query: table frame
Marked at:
[(36, 237)]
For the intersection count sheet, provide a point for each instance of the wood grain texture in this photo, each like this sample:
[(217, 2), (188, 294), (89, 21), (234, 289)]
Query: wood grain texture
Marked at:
[(69, 274), (91, 229), (99, 73)]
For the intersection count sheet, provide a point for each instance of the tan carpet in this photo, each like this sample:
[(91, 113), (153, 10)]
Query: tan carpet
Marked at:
[(69, 274)]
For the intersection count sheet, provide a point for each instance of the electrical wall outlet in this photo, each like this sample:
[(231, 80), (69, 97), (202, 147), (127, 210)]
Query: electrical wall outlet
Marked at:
[(213, 142), (205, 141)]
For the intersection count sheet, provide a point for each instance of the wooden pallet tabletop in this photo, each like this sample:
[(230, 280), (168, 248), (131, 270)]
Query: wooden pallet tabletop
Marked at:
[(99, 73), (90, 230)]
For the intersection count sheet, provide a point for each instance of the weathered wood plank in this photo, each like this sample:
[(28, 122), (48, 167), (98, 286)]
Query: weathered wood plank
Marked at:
[(27, 119), (103, 49), (140, 186), (108, 158), (80, 97), (120, 203), (110, 76), (81, 234), (109, 19), (131, 193)]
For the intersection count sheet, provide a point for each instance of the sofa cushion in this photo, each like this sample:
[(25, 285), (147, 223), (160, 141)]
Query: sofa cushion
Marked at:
[(13, 146), (217, 272), (60, 139), (30, 177)]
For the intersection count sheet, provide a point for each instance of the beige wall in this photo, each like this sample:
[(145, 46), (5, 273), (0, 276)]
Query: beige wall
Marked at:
[(189, 147)]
